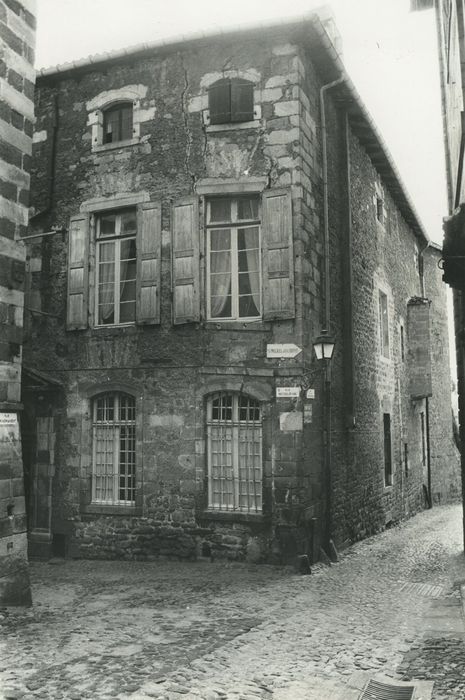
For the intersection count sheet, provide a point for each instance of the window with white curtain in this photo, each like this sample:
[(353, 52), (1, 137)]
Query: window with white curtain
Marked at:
[(234, 448), (233, 258), (114, 449), (116, 268)]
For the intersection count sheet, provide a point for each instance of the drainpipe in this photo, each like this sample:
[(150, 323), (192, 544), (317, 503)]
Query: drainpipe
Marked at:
[(323, 90), (327, 319), (421, 263)]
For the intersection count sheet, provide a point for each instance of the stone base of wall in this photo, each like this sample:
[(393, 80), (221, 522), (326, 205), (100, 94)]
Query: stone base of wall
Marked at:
[(147, 539), (14, 572)]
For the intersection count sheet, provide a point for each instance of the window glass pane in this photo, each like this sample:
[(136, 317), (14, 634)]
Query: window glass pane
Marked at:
[(248, 307), (106, 252), (220, 239), (128, 222), (248, 238), (126, 122), (128, 249), (247, 208), (220, 210), (127, 311), (107, 224)]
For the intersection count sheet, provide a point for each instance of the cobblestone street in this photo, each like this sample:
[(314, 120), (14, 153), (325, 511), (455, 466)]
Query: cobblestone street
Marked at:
[(215, 630)]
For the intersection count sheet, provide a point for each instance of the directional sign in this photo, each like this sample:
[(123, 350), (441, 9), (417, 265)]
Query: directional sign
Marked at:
[(287, 392), (279, 350)]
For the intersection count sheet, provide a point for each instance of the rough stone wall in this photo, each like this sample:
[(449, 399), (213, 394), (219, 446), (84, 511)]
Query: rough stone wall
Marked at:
[(384, 258), (445, 457), (17, 38)]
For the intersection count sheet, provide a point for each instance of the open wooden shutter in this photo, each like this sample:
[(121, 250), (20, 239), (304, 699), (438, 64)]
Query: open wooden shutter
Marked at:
[(148, 262), (278, 258), (78, 272), (185, 260), (219, 102), (241, 101)]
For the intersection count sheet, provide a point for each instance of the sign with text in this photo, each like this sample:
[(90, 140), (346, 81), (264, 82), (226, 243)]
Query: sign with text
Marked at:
[(310, 393), (288, 392), (308, 413), (8, 419), (279, 350)]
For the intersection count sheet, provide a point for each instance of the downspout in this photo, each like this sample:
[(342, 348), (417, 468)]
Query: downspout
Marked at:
[(348, 295), (421, 262), (327, 285), (327, 319)]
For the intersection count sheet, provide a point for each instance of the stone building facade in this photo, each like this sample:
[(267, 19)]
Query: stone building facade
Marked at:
[(17, 76), (211, 205)]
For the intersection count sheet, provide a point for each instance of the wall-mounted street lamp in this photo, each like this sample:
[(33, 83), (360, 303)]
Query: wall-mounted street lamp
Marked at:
[(324, 348)]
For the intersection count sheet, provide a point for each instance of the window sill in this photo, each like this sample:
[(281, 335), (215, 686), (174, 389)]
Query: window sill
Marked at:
[(110, 509), (232, 126), (127, 329), (104, 147), (256, 325), (233, 515)]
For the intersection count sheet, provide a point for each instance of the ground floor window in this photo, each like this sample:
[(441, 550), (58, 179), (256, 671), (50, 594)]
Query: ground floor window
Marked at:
[(114, 449), (234, 437)]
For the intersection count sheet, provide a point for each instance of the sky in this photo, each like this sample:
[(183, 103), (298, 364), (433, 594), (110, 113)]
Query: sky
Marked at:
[(390, 54)]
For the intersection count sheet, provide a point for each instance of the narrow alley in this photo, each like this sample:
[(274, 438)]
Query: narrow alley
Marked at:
[(213, 630)]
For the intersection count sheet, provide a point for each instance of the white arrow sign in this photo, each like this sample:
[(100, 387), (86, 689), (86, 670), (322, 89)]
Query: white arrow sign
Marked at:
[(282, 350)]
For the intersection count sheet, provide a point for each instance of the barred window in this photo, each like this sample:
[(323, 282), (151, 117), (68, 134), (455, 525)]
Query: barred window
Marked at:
[(114, 449), (234, 436), (117, 123)]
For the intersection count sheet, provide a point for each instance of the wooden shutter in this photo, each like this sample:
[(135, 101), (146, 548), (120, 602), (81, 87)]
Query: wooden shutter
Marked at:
[(148, 262), (78, 272), (277, 252), (219, 102), (185, 260), (241, 101)]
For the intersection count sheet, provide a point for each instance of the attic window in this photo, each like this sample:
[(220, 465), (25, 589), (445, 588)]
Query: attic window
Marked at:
[(379, 209), (117, 123), (231, 100)]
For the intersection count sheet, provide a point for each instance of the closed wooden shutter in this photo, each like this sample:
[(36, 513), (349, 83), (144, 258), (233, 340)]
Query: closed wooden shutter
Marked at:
[(241, 101), (219, 102), (278, 258), (78, 272), (185, 261), (148, 262)]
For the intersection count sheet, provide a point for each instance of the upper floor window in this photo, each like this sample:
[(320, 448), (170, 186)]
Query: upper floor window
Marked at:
[(117, 123), (233, 258), (384, 324), (114, 449), (234, 446), (231, 100), (116, 268)]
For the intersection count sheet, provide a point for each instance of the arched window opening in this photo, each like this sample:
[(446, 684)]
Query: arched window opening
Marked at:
[(117, 122), (234, 437), (114, 449)]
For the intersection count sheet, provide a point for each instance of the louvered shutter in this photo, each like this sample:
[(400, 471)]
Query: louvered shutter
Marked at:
[(278, 258), (185, 261), (148, 262), (219, 102), (78, 272), (241, 101)]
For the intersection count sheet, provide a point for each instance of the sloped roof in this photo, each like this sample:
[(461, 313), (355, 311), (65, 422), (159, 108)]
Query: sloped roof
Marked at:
[(312, 31)]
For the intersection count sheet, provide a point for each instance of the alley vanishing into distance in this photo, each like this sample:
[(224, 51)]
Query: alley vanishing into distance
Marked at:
[(211, 630)]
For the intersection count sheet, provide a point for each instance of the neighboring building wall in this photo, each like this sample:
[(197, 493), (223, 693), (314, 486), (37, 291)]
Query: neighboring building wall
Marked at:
[(445, 457), (17, 75), (170, 366)]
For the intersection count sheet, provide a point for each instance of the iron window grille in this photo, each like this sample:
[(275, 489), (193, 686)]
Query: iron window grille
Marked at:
[(116, 268), (231, 100), (234, 449), (114, 449), (234, 271), (117, 123)]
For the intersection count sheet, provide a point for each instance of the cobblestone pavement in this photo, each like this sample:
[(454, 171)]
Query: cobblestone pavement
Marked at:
[(172, 630)]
